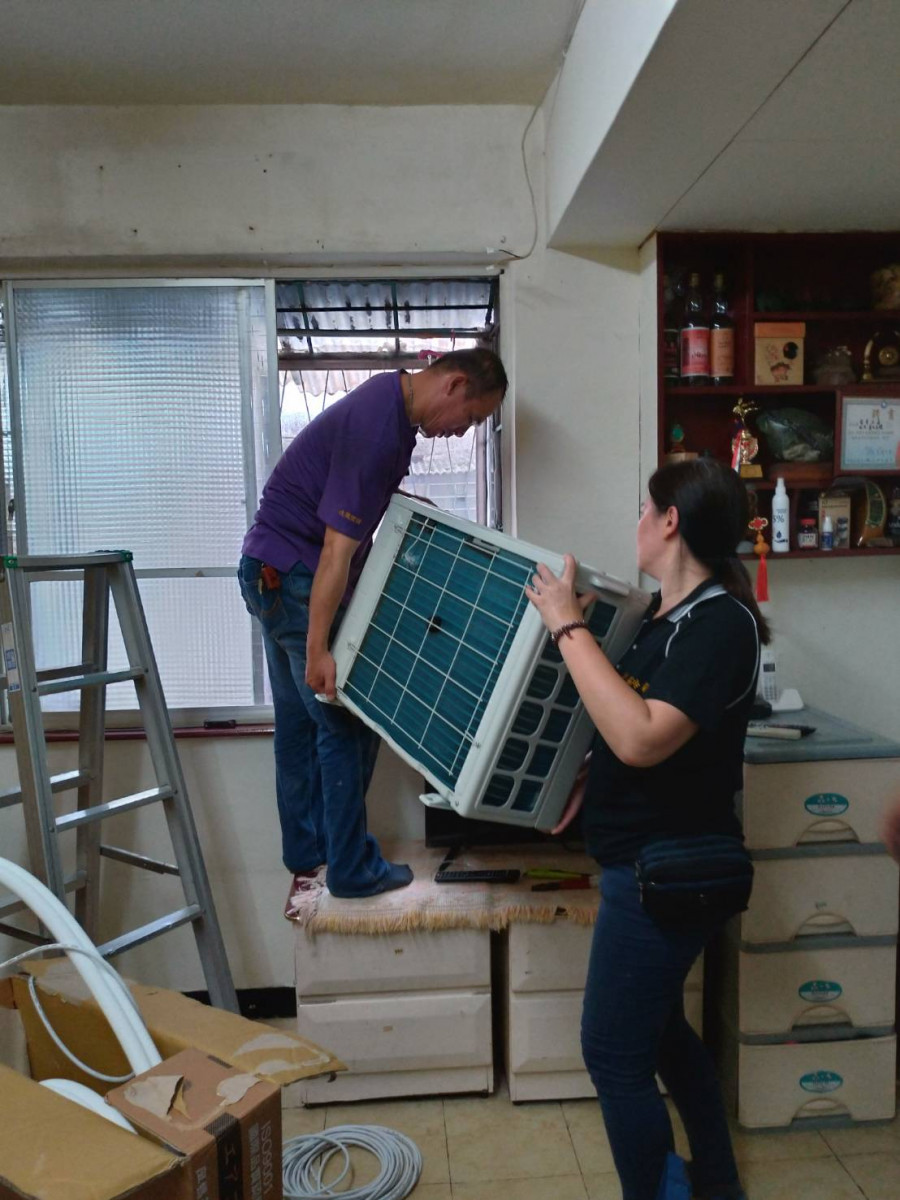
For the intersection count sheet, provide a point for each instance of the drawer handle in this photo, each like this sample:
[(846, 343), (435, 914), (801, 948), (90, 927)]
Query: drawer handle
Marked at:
[(821, 1107), (824, 922), (822, 1014), (828, 830)]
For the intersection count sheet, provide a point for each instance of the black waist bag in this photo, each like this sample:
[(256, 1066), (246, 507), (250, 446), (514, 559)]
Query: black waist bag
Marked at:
[(694, 882)]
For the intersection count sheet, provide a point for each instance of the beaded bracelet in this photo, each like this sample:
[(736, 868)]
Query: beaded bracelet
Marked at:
[(567, 630)]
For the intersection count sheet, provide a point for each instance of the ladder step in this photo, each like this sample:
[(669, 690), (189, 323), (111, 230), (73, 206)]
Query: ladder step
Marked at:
[(68, 780), (24, 935), (65, 562), (94, 679), (62, 672), (98, 812), (139, 860), (152, 929), (10, 903)]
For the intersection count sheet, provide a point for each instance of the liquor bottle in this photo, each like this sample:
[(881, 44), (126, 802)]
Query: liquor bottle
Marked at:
[(671, 372), (694, 340), (721, 336)]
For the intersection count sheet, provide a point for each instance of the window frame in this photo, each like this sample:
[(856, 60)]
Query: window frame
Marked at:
[(262, 447)]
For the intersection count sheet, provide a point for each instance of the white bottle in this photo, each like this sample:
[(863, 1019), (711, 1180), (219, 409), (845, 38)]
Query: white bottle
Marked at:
[(827, 533), (781, 507)]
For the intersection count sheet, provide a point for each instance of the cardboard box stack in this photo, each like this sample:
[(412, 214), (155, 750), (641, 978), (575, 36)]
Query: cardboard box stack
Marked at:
[(208, 1118)]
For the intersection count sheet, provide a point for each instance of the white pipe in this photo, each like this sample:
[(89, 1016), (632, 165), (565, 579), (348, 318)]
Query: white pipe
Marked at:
[(87, 1099), (105, 986)]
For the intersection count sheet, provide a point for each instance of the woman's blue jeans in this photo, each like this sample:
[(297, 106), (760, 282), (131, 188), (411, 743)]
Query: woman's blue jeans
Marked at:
[(633, 1026), (324, 756)]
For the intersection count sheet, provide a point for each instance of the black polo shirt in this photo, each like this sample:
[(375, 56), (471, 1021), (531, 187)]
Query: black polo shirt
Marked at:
[(702, 657)]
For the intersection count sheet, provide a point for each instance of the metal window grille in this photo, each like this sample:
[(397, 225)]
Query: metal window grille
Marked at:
[(335, 334)]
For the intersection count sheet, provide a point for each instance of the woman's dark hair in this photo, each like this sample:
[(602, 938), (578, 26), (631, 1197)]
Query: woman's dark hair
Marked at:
[(482, 368), (713, 512)]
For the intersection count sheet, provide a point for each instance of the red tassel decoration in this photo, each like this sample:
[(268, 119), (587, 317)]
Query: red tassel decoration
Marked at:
[(762, 581)]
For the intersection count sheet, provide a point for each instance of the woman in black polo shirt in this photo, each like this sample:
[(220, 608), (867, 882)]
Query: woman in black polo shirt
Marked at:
[(671, 718)]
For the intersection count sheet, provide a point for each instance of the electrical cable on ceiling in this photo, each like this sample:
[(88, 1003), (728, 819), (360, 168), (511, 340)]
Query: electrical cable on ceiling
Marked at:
[(562, 62), (306, 1158)]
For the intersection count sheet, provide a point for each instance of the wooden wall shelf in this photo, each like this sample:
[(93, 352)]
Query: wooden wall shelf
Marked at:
[(804, 277)]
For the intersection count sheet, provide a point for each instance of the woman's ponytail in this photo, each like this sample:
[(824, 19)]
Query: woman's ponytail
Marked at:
[(713, 513)]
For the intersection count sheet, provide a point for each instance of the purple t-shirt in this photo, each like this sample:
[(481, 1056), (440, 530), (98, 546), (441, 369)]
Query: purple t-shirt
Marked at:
[(340, 471)]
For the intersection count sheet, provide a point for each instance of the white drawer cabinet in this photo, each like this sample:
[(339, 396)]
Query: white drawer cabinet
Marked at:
[(546, 968), (409, 1013), (808, 971), (797, 897), (805, 803), (790, 1084), (842, 983)]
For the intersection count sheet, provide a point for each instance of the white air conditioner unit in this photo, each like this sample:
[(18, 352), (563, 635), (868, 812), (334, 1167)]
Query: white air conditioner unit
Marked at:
[(441, 652)]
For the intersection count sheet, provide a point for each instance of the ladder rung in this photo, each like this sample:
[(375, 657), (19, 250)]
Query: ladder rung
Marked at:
[(151, 930), (24, 935), (10, 903), (139, 860), (67, 781), (62, 672), (65, 562), (98, 812), (95, 679)]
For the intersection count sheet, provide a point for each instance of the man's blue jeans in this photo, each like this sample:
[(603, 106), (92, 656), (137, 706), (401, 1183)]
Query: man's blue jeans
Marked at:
[(324, 756), (633, 1026)]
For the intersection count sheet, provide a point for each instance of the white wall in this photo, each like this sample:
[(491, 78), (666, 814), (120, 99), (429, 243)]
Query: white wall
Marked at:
[(231, 784), (576, 406), (279, 183), (611, 42)]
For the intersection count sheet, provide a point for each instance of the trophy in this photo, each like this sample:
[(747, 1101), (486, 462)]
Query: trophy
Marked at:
[(744, 445)]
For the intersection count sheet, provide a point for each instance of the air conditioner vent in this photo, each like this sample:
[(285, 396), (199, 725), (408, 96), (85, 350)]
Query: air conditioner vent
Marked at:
[(441, 652)]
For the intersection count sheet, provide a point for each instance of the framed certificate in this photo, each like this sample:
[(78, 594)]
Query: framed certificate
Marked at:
[(869, 429)]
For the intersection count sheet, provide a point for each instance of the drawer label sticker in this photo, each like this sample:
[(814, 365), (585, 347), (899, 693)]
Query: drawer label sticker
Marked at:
[(826, 804), (821, 1081), (819, 991)]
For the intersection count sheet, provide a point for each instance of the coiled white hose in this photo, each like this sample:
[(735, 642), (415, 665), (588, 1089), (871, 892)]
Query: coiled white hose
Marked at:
[(87, 1099), (305, 1159), (103, 982)]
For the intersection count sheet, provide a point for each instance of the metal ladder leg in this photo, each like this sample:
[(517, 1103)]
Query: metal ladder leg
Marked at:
[(35, 787), (163, 753), (103, 572), (91, 745)]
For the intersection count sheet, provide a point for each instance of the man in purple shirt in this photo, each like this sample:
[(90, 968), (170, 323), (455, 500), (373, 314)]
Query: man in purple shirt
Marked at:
[(300, 562)]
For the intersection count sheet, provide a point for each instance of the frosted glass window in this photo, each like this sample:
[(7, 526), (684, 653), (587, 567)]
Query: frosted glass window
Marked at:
[(138, 417)]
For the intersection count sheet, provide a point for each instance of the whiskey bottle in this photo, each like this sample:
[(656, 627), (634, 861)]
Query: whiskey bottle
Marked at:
[(694, 339), (721, 336), (671, 372)]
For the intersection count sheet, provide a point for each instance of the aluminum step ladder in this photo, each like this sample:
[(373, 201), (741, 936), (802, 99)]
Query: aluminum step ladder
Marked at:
[(104, 574)]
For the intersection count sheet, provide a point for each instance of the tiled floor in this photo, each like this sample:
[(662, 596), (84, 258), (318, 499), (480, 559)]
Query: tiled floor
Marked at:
[(485, 1148)]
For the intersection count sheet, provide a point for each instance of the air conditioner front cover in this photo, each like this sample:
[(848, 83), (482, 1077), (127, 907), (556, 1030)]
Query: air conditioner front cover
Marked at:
[(441, 653)]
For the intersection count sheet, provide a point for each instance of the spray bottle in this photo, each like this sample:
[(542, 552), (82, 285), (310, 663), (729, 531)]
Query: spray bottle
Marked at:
[(781, 508)]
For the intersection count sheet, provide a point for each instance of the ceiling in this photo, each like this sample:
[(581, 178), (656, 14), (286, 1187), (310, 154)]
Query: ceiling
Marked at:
[(364, 52), (823, 151), (738, 120)]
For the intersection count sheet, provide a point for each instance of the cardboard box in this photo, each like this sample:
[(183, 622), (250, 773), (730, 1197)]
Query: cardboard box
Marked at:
[(778, 357), (836, 505), (175, 1023), (225, 1124), (53, 1149)]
